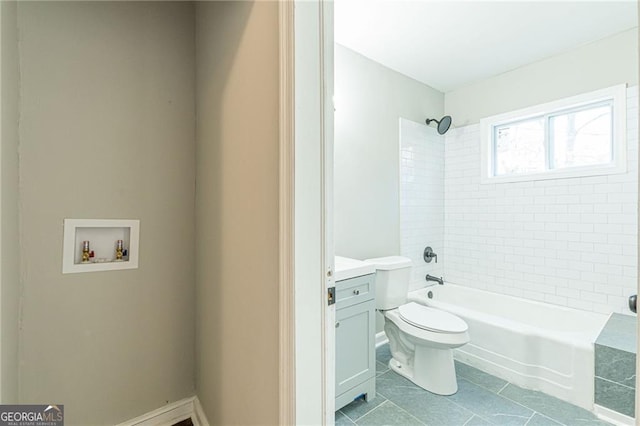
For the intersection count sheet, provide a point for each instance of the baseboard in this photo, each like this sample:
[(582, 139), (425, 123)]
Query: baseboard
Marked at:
[(613, 417), (171, 414), (199, 419), (381, 339)]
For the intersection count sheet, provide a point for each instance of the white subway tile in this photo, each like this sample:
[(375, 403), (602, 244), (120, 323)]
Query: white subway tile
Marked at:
[(580, 304), (556, 300), (592, 297), (566, 241)]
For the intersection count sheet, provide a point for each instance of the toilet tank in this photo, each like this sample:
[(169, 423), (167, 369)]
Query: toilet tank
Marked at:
[(392, 280)]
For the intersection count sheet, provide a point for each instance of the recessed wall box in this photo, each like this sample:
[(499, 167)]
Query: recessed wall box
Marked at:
[(103, 236)]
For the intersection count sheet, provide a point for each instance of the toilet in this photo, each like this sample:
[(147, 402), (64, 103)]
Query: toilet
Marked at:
[(421, 338)]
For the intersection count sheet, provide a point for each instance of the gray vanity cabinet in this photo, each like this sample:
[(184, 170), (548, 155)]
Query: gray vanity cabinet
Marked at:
[(355, 339)]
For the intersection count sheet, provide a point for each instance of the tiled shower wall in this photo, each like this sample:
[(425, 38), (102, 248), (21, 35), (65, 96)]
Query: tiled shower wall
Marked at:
[(570, 242), (421, 198)]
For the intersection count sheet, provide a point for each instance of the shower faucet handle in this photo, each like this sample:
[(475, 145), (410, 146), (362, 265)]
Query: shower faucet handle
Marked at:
[(429, 255)]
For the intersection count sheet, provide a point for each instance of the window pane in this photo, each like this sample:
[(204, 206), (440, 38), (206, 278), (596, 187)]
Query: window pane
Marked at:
[(519, 147), (582, 138)]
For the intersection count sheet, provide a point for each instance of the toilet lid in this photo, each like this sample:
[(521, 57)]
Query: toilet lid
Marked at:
[(431, 319)]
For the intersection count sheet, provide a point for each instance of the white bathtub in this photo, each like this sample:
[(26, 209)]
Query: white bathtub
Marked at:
[(531, 344)]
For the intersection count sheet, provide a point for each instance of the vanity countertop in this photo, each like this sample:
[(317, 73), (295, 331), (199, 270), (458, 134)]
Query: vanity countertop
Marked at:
[(349, 268)]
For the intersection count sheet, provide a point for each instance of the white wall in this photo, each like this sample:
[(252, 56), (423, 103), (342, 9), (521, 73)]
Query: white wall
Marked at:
[(422, 198), (107, 131), (570, 242), (369, 100), (597, 65)]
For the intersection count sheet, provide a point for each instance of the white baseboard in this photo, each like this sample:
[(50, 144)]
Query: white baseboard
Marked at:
[(199, 419), (613, 417), (171, 414), (381, 339)]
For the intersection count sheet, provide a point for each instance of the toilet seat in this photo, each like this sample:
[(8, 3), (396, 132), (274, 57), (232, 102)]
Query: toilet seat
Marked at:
[(431, 319)]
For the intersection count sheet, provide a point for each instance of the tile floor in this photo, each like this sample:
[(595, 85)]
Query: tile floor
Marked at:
[(482, 399)]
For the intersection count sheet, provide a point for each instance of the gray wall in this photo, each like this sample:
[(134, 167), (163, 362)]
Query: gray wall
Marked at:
[(10, 276), (597, 65), (369, 100), (237, 211), (107, 131)]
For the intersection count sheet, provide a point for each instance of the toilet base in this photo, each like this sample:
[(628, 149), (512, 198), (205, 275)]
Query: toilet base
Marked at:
[(433, 370)]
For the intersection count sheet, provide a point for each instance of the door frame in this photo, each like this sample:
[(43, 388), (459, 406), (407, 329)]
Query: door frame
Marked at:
[(307, 331)]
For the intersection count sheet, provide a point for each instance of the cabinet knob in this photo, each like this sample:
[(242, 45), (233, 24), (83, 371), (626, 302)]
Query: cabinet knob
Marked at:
[(337, 324), (356, 292)]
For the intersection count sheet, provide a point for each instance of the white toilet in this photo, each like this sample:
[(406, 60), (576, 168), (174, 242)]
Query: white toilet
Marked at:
[(421, 338)]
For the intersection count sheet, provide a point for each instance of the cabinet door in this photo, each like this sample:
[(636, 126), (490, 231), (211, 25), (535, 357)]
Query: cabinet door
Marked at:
[(355, 345)]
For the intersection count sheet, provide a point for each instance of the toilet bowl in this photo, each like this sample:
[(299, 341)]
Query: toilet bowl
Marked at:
[(422, 343), (421, 338)]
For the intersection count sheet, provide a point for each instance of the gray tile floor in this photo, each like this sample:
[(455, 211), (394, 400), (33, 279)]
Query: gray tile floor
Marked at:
[(482, 399)]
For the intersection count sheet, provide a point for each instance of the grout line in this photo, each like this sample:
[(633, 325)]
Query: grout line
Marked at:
[(348, 418), (532, 415), (474, 415), (462, 406), (369, 412), (508, 399), (616, 383), (534, 411), (346, 415), (378, 395), (402, 409)]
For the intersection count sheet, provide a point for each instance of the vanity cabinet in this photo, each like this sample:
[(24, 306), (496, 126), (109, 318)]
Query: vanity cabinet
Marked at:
[(355, 339)]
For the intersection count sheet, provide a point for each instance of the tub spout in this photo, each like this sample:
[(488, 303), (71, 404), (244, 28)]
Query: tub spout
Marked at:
[(436, 279)]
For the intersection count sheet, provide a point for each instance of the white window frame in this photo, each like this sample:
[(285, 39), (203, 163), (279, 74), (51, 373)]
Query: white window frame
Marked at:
[(617, 95)]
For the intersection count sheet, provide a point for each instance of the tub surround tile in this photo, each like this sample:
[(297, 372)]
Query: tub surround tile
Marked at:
[(490, 227), (615, 365), (493, 407), (360, 407), (549, 406), (619, 333), (615, 396), (427, 407), (480, 378), (342, 420), (388, 414), (540, 420)]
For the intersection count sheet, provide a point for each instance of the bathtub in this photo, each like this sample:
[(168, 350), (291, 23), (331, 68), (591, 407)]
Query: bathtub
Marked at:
[(531, 344)]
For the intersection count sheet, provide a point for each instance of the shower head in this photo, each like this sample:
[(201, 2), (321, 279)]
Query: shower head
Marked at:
[(443, 124)]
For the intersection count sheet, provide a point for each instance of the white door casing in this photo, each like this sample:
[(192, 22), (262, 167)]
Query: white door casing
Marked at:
[(327, 70), (313, 195)]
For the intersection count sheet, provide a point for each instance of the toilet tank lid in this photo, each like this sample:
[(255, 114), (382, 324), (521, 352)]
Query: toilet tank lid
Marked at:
[(390, 262)]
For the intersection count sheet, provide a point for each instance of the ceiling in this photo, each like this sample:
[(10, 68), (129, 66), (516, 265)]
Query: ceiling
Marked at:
[(448, 44)]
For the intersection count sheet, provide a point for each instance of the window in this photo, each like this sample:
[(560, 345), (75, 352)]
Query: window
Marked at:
[(578, 136)]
